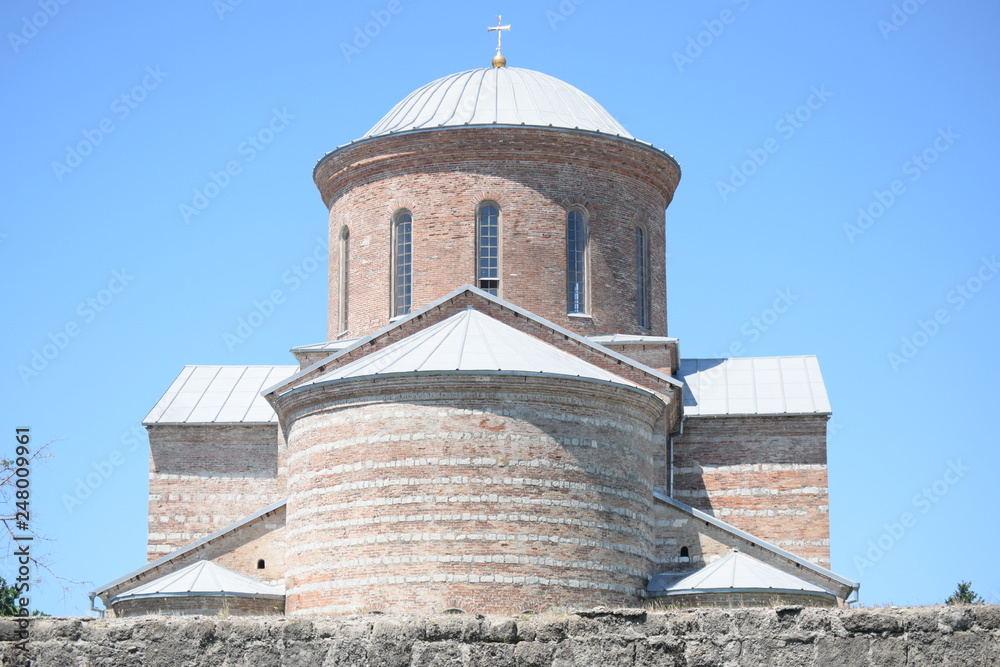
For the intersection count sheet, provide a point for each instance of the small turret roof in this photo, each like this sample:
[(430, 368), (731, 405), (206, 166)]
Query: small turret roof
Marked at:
[(734, 572), (204, 578)]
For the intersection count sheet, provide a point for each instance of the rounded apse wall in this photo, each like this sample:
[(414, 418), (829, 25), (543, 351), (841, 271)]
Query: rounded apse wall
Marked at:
[(500, 493), (535, 177)]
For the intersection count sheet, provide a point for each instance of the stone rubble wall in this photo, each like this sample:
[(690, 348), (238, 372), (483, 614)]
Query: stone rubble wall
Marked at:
[(776, 637)]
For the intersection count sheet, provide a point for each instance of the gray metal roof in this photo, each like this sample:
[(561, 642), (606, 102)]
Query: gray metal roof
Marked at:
[(753, 386), (219, 394), (498, 95), (328, 346), (470, 341), (291, 382), (204, 578), (735, 571), (630, 339)]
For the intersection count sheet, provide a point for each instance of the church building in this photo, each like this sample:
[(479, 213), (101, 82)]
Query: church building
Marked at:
[(498, 419)]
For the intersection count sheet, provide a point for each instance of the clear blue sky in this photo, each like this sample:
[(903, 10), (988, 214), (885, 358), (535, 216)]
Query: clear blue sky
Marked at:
[(836, 106)]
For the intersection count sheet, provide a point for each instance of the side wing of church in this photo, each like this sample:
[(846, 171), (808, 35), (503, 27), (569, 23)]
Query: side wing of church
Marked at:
[(498, 420)]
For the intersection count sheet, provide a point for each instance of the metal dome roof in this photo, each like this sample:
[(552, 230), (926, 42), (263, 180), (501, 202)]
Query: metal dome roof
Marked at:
[(498, 96)]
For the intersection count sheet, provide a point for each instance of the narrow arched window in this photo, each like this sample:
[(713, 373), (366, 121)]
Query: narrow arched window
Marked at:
[(642, 277), (402, 263), (344, 259), (488, 248), (260, 564), (684, 552), (576, 261)]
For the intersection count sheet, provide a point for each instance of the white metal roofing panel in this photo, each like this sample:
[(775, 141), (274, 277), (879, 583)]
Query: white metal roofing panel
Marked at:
[(604, 339), (753, 386), (498, 95), (218, 394), (328, 346), (470, 341), (203, 577), (738, 571)]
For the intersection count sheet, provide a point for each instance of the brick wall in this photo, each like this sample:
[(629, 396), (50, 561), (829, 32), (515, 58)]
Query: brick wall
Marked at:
[(535, 176), (764, 475), (239, 550), (205, 477), (484, 493)]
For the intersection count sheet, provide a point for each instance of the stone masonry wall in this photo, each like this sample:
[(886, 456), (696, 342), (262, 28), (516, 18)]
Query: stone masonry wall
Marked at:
[(775, 637)]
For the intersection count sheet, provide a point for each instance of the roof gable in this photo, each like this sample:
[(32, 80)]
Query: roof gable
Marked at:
[(469, 341), (518, 319)]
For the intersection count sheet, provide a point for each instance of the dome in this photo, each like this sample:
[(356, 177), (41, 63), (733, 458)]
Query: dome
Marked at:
[(498, 96)]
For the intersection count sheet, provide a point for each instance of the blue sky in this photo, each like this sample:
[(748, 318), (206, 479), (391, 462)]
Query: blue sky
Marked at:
[(840, 157)]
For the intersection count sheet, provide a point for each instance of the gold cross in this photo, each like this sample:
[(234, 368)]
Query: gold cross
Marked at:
[(498, 29)]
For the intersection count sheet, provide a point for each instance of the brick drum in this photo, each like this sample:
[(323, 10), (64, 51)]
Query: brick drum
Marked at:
[(535, 176), (424, 492)]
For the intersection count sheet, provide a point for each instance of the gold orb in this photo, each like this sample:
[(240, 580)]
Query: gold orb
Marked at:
[(499, 60)]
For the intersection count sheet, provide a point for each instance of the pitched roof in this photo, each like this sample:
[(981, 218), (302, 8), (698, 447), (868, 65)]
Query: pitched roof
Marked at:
[(187, 549), (218, 394), (735, 571), (470, 341), (204, 578), (719, 529), (303, 376), (753, 386)]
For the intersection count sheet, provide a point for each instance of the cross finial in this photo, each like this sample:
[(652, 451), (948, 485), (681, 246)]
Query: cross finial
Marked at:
[(498, 59)]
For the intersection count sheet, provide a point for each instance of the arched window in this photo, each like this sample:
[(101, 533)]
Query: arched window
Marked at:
[(642, 276), (488, 248), (576, 261), (684, 552), (402, 263), (344, 259), (260, 564)]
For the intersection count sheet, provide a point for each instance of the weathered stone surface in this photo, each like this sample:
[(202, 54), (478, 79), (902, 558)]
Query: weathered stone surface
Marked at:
[(793, 637)]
